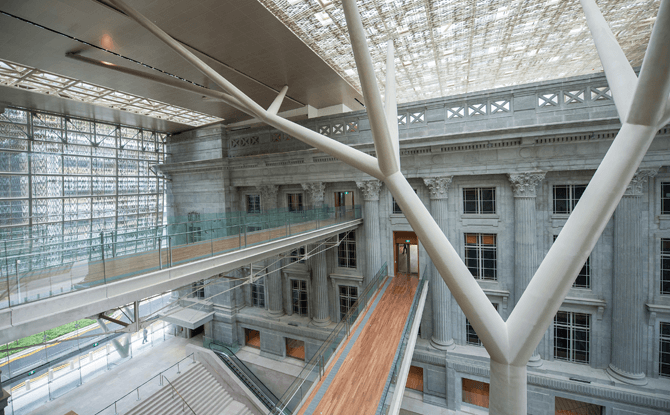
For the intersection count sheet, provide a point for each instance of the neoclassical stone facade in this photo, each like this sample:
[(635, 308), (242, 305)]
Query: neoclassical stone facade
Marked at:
[(501, 186)]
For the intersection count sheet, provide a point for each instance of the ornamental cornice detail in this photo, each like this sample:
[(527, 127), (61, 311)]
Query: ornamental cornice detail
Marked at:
[(316, 191), (524, 184), (370, 189), (636, 185), (438, 186)]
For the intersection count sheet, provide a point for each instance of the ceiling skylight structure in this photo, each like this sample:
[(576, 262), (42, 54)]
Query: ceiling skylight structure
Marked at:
[(35, 80), (449, 47)]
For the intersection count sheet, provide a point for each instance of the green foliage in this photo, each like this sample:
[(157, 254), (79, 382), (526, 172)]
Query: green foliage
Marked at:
[(40, 337)]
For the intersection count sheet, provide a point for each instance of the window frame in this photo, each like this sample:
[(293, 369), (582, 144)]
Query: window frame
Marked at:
[(479, 200), (258, 293), (348, 298), (665, 201), (346, 251), (253, 208), (663, 368), (664, 271), (480, 249), (572, 199), (584, 272), (302, 303), (291, 205), (572, 327)]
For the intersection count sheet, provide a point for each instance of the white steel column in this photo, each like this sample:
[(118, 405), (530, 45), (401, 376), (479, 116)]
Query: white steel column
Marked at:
[(319, 267), (628, 296), (443, 337), (526, 255), (274, 285), (373, 254)]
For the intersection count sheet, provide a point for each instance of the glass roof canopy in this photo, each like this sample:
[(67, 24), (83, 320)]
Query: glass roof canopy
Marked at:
[(48, 83), (450, 47)]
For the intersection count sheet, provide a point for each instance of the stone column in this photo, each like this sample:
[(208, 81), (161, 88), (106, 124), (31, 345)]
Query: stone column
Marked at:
[(274, 287), (628, 296), (373, 258), (442, 338), (316, 191), (268, 196), (319, 268), (526, 255)]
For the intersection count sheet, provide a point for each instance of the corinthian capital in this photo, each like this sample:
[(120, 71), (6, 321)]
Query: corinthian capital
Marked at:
[(370, 188), (524, 183), (438, 186), (636, 185), (316, 191), (268, 195)]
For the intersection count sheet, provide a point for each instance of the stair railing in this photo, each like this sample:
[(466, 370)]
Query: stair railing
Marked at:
[(178, 394)]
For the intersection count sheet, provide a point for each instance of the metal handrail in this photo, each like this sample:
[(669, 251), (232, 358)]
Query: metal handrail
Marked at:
[(269, 401), (192, 356), (179, 394), (318, 358)]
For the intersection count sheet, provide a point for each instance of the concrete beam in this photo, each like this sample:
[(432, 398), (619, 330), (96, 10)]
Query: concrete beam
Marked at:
[(30, 318)]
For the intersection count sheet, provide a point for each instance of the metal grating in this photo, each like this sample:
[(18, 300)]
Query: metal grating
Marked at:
[(34, 80), (449, 47)]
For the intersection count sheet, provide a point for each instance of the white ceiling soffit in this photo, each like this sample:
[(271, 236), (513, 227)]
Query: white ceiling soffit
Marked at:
[(450, 47), (34, 80)]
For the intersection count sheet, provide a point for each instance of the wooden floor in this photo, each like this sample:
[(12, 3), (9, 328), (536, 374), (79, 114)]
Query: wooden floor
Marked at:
[(358, 384), (134, 264)]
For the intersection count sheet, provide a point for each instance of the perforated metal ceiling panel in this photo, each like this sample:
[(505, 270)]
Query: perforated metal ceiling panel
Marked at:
[(448, 47)]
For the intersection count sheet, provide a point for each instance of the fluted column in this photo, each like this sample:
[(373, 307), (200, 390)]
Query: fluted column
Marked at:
[(526, 255), (274, 286), (373, 259), (626, 362), (442, 338), (268, 196), (319, 267), (316, 191)]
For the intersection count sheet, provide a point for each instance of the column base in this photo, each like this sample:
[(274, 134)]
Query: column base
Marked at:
[(638, 379), (535, 360), (275, 314), (321, 323), (439, 345)]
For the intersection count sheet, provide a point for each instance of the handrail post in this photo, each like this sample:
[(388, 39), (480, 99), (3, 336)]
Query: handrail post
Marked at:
[(245, 235), (170, 250), (102, 250), (160, 254), (18, 283)]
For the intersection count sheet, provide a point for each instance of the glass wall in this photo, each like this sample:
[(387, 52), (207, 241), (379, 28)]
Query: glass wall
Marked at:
[(66, 180)]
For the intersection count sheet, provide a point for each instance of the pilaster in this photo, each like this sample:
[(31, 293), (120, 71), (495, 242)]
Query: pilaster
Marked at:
[(628, 296), (442, 338), (526, 255), (371, 189)]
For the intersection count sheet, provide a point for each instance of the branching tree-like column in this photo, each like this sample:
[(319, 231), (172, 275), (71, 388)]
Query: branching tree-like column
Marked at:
[(526, 256), (373, 253), (443, 337), (642, 105), (316, 191), (628, 289), (274, 286), (319, 268)]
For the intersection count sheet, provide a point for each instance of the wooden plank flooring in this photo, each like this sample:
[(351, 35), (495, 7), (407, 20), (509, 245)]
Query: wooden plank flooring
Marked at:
[(358, 384)]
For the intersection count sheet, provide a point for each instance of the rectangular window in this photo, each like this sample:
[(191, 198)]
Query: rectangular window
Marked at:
[(566, 406), (475, 393), (295, 348), (479, 200), (471, 336), (297, 255), (294, 202), (664, 350), (348, 297), (258, 293), (299, 297), (567, 196), (252, 338), (584, 277), (480, 255), (665, 266), (253, 203), (665, 198), (572, 336), (346, 252), (415, 378)]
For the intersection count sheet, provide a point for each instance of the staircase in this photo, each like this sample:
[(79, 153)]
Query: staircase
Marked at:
[(200, 390)]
